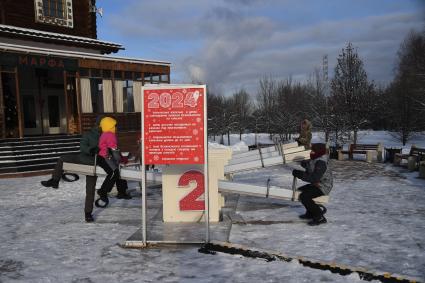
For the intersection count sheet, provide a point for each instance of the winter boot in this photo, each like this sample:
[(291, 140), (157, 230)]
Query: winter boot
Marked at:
[(306, 216), (323, 208), (89, 218), (50, 183), (103, 200), (317, 221), (123, 195)]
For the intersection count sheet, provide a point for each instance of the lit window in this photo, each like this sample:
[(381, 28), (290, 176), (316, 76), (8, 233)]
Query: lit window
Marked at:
[(56, 12)]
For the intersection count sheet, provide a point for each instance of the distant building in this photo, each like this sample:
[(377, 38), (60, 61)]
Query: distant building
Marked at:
[(55, 76)]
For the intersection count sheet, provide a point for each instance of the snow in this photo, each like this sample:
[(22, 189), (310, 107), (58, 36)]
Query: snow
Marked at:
[(376, 217)]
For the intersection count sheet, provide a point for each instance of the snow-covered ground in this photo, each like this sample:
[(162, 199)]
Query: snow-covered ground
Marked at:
[(376, 220)]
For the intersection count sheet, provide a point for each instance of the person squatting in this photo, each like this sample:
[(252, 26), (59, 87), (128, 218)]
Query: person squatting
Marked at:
[(318, 174)]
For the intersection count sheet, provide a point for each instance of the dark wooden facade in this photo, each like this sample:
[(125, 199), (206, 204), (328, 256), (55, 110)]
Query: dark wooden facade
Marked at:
[(20, 13), (31, 76)]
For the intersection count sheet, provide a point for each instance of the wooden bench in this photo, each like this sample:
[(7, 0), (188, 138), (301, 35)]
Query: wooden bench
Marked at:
[(414, 158), (368, 149)]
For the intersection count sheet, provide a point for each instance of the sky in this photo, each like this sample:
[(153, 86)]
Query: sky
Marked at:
[(232, 44)]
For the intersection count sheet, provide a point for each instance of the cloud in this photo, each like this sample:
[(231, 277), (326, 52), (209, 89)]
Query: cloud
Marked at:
[(252, 47), (233, 43)]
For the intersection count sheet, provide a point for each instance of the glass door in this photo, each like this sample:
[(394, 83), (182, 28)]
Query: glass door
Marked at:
[(10, 107), (43, 102)]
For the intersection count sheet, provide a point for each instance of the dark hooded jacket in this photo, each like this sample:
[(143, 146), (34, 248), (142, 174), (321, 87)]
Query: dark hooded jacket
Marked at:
[(88, 141)]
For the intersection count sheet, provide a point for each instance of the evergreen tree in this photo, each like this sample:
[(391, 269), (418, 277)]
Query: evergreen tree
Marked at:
[(351, 92)]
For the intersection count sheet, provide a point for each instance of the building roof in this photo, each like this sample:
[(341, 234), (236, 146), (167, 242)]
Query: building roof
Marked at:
[(75, 54), (38, 35)]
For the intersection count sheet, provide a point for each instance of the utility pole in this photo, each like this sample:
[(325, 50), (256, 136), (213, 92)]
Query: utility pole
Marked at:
[(326, 95), (325, 75)]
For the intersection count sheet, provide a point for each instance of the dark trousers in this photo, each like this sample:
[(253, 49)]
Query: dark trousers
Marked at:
[(58, 170), (90, 192), (113, 177), (90, 180), (309, 192)]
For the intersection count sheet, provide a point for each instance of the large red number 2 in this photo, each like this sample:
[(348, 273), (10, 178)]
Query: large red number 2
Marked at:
[(190, 201)]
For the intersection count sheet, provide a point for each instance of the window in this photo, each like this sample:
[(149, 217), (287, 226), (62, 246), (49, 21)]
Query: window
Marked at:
[(84, 72), (96, 88), (155, 78), (138, 76), (128, 96), (55, 12), (106, 74), (118, 74), (95, 73)]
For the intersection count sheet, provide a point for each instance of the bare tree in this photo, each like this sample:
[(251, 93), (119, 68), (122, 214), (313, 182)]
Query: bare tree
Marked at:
[(242, 109), (319, 108), (407, 91), (215, 114), (267, 101), (229, 118)]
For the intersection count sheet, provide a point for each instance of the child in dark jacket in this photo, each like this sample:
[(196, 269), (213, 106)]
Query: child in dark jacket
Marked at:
[(108, 142)]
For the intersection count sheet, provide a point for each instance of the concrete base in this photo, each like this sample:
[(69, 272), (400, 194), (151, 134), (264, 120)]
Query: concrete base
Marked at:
[(175, 197), (411, 163), (422, 169)]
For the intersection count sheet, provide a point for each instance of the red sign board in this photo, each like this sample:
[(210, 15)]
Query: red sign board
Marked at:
[(173, 124)]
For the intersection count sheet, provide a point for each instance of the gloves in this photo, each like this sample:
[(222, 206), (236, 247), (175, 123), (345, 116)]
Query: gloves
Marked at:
[(304, 163), (297, 173), (124, 160), (94, 150)]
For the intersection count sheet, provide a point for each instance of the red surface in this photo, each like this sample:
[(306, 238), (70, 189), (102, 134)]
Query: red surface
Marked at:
[(191, 200), (174, 126)]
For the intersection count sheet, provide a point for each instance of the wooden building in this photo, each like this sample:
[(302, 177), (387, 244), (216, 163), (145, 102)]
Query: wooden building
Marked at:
[(56, 76)]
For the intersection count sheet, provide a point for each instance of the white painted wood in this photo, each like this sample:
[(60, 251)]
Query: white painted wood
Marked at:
[(293, 149), (82, 169), (261, 191), (242, 166), (254, 157), (253, 152), (126, 173), (273, 161), (270, 161), (289, 145), (297, 156), (369, 155)]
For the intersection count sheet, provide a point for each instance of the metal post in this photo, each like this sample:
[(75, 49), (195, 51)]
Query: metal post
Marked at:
[(206, 177), (294, 188), (261, 156), (144, 203), (142, 161)]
